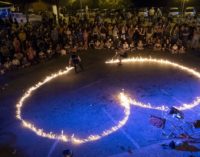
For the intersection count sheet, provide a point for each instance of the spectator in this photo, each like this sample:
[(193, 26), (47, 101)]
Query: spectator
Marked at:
[(196, 38), (175, 49), (140, 45), (157, 46), (182, 50), (85, 38), (132, 46), (31, 55), (151, 13), (26, 43), (167, 46)]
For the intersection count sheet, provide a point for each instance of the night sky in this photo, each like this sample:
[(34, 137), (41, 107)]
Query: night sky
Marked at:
[(163, 3)]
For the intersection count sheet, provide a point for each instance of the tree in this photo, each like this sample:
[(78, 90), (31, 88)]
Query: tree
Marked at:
[(111, 3), (57, 3)]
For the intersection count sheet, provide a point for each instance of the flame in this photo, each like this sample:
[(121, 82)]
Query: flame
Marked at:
[(167, 63), (124, 101)]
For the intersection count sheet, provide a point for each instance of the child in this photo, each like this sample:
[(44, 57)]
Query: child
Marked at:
[(140, 45), (125, 46), (15, 62), (97, 44), (109, 44), (50, 51), (101, 44), (132, 46), (63, 52), (7, 64), (182, 50), (157, 46), (42, 55), (150, 43), (175, 49), (167, 46), (91, 43), (25, 62)]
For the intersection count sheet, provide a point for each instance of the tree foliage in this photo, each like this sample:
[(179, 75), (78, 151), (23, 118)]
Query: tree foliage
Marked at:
[(111, 3), (22, 2), (95, 3)]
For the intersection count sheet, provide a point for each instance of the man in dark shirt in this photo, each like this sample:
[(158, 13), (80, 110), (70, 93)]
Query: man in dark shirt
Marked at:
[(75, 60)]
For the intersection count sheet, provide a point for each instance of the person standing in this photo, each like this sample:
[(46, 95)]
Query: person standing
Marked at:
[(85, 39), (75, 60)]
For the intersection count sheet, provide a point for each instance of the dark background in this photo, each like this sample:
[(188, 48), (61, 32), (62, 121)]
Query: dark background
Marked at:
[(163, 3)]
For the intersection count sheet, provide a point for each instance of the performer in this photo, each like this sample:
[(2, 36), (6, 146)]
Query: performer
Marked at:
[(75, 60), (122, 51)]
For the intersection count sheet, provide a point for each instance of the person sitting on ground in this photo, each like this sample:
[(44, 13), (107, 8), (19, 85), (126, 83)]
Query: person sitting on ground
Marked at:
[(92, 43), (15, 62), (132, 46), (63, 52), (42, 55), (182, 49), (157, 46), (67, 47), (174, 49), (109, 43), (80, 46), (31, 54), (101, 45), (140, 45), (7, 64), (58, 49), (2, 70), (19, 56), (50, 51), (126, 46), (25, 62), (167, 45), (150, 43), (97, 44), (75, 60)]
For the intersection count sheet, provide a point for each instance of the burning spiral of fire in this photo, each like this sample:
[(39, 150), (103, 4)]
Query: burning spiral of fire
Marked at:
[(124, 99)]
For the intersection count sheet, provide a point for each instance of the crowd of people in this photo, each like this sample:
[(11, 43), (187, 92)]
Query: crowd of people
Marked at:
[(25, 44)]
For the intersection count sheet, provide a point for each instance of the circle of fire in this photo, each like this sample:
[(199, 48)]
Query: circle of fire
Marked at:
[(125, 102)]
